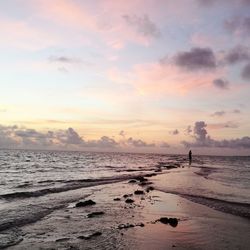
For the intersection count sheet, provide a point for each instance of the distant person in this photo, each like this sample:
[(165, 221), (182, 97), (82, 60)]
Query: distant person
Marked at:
[(190, 157)]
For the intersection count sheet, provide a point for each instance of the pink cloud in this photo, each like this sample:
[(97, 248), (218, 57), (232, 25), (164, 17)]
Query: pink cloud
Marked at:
[(168, 79), (94, 18), (20, 34)]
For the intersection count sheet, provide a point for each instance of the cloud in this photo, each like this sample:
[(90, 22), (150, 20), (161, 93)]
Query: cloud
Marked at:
[(236, 111), (68, 60), (23, 35), (188, 130), (237, 54), (6, 136), (202, 139), (230, 124), (219, 113), (138, 143), (103, 142), (221, 83), (246, 72), (164, 145), (200, 131), (196, 59), (143, 25), (122, 133), (240, 26), (16, 137), (206, 2), (64, 63), (64, 59), (174, 132), (170, 79), (69, 136), (63, 70), (247, 2)]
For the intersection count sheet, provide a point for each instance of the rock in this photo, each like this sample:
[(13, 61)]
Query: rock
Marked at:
[(158, 170), (150, 175), (94, 214), (173, 222), (140, 225), (127, 195), (149, 189), (96, 234), (128, 225), (89, 236), (117, 199), (170, 167), (129, 201), (139, 192), (132, 181), (164, 220), (85, 203), (123, 226), (62, 239), (144, 183), (141, 178)]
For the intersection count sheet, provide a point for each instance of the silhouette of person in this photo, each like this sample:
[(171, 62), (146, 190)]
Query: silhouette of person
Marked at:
[(190, 157)]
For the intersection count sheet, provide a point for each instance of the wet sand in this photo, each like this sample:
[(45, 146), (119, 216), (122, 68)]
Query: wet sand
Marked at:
[(134, 225)]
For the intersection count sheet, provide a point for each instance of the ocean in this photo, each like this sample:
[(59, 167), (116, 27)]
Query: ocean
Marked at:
[(35, 183)]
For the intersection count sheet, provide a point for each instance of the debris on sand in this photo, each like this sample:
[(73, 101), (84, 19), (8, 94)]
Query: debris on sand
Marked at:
[(85, 203), (124, 226), (144, 183), (62, 239), (150, 175), (129, 201), (141, 178), (149, 189), (138, 192), (89, 236), (132, 181), (173, 222), (94, 214), (140, 225), (127, 195), (128, 225)]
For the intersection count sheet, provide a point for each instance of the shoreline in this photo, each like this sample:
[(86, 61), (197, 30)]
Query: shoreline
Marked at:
[(134, 225)]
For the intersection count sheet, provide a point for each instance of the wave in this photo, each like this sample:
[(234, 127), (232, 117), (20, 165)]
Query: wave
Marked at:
[(206, 171), (236, 208), (18, 216), (69, 185)]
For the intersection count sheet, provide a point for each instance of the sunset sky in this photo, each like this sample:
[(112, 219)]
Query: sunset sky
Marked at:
[(140, 76)]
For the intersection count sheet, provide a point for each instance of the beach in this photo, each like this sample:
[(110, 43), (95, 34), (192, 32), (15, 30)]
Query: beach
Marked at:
[(136, 210), (134, 226), (125, 125)]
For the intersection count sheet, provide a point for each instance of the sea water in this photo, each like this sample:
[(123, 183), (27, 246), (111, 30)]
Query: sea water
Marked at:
[(35, 183)]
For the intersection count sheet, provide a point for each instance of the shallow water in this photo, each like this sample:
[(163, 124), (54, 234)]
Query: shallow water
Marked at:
[(34, 183)]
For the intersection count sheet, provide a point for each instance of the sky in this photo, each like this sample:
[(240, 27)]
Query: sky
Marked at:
[(132, 76)]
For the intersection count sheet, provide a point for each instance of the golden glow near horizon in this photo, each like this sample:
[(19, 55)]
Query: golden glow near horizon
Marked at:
[(125, 75)]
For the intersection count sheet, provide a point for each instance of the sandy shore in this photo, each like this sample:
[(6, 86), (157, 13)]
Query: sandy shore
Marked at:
[(134, 225)]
